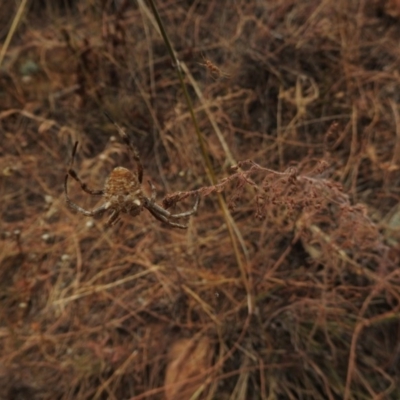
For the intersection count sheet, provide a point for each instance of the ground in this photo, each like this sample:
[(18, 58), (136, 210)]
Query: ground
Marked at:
[(285, 284)]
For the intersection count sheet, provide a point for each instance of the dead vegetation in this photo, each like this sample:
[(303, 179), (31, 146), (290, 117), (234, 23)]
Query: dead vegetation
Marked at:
[(299, 107)]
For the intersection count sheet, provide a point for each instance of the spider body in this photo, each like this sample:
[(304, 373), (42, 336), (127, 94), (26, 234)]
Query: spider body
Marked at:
[(123, 192)]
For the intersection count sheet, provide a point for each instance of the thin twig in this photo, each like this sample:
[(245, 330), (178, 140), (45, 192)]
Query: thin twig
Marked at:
[(232, 229)]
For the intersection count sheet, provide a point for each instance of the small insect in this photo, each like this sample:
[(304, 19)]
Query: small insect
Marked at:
[(123, 192), (215, 72)]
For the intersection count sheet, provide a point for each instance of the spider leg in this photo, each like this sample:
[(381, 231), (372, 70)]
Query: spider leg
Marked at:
[(165, 219), (190, 212), (131, 147), (151, 206), (153, 192), (114, 218), (94, 213), (165, 216), (73, 174)]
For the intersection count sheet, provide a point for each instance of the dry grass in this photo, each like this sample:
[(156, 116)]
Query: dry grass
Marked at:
[(298, 103)]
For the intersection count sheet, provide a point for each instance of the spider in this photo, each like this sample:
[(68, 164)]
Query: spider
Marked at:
[(123, 192)]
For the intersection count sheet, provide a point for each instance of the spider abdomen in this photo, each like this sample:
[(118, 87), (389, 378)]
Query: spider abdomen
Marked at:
[(121, 181)]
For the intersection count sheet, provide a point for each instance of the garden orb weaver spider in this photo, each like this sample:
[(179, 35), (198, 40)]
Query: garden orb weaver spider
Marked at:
[(123, 192)]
